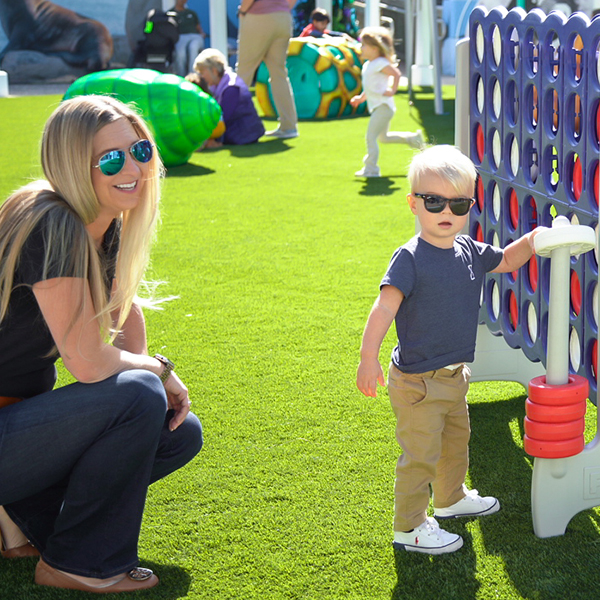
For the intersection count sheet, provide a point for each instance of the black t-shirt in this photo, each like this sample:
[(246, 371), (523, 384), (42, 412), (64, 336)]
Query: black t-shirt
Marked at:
[(25, 340)]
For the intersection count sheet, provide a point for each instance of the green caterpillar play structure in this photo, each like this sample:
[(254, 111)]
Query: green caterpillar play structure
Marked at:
[(179, 113)]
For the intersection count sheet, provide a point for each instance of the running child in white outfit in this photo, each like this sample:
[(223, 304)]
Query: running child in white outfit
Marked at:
[(377, 49)]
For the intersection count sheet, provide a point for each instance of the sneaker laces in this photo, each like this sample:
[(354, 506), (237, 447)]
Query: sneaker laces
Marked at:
[(432, 527)]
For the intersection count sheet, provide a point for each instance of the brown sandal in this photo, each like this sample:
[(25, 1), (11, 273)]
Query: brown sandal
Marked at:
[(25, 551), (137, 579)]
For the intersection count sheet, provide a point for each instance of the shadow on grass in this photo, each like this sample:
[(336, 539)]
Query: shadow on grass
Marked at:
[(18, 583), (566, 566), (377, 186), (440, 128), (188, 170), (447, 576), (500, 551), (271, 146)]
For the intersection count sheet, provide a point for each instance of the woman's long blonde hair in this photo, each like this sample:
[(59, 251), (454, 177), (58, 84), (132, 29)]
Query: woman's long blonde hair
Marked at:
[(67, 201)]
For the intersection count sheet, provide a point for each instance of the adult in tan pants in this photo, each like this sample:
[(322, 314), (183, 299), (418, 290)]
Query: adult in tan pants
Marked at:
[(264, 33)]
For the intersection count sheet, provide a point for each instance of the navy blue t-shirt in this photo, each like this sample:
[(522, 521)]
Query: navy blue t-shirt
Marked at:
[(437, 320)]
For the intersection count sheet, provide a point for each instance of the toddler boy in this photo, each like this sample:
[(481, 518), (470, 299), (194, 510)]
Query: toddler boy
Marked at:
[(432, 290)]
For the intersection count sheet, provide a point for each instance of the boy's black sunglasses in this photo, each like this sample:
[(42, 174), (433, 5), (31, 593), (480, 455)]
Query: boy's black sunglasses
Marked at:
[(436, 204)]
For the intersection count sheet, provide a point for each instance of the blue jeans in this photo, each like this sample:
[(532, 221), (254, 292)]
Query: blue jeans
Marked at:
[(76, 463)]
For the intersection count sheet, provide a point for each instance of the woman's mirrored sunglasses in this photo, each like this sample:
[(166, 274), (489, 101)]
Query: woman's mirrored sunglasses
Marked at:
[(436, 204), (112, 162)]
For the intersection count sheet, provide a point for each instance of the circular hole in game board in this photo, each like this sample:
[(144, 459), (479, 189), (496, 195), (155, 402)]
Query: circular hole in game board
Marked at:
[(592, 257), (479, 143), (594, 183), (496, 99), (531, 52), (512, 311), (531, 166), (496, 149), (496, 202), (530, 214), (496, 45), (544, 280), (532, 322), (513, 50), (594, 359), (477, 231), (513, 209), (512, 102), (513, 162), (593, 302), (575, 59), (479, 96), (551, 110), (495, 239), (479, 194), (575, 287), (597, 55), (550, 169), (494, 300), (596, 128), (574, 176), (479, 43), (531, 277), (574, 350), (531, 107), (553, 54), (596, 246), (573, 118)]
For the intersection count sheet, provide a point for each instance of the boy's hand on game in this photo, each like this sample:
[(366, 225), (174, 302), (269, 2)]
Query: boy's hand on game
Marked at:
[(368, 375), (532, 236)]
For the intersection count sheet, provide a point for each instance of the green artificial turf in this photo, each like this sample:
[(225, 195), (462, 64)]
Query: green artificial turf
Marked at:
[(276, 252)]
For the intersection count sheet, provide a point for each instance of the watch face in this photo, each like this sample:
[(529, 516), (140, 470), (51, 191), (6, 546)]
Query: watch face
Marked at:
[(164, 360)]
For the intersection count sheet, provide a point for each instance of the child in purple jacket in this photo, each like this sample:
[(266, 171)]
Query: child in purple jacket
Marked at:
[(242, 123)]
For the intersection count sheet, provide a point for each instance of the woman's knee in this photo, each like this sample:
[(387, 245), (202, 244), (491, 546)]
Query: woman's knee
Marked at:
[(143, 390)]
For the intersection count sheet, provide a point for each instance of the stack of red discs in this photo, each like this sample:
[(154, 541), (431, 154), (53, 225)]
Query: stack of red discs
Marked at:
[(555, 422)]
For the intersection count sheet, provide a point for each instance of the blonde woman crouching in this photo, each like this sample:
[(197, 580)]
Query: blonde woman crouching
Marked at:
[(76, 461)]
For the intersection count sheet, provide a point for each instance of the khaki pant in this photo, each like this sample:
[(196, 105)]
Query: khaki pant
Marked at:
[(266, 37), (433, 431)]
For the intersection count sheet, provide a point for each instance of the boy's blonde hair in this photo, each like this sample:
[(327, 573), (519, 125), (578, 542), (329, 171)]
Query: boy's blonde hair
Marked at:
[(211, 58), (446, 162), (381, 38)]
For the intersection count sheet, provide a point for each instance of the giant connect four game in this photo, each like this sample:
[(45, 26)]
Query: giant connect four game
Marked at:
[(534, 96)]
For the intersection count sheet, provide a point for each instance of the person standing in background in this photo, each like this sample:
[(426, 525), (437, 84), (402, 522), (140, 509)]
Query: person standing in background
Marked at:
[(264, 33), (191, 37)]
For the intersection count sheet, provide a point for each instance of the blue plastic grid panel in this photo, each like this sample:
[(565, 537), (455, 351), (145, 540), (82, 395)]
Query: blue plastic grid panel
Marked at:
[(535, 139)]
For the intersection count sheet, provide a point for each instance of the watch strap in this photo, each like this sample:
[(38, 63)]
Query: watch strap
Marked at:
[(169, 366)]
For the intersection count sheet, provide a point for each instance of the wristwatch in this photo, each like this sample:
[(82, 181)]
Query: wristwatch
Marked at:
[(169, 366)]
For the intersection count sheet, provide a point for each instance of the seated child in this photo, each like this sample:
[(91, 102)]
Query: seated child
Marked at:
[(242, 123), (432, 291), (319, 19)]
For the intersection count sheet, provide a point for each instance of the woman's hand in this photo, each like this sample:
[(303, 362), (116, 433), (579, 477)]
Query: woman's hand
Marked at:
[(179, 400)]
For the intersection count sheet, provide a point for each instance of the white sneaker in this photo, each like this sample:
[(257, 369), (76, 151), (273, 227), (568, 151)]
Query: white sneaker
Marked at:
[(472, 505), (283, 134), (364, 172), (417, 140), (428, 538)]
